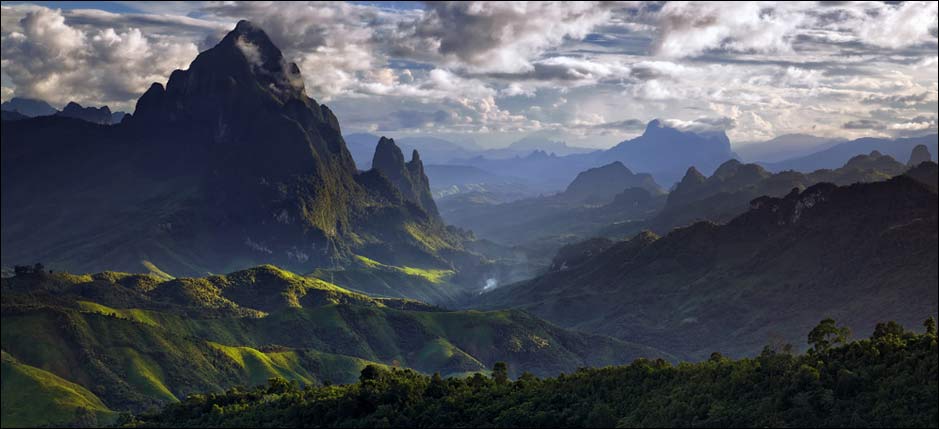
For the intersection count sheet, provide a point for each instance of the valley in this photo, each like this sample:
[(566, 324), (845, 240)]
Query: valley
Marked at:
[(233, 253)]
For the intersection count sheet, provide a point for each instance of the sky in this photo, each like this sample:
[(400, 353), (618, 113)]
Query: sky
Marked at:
[(589, 73)]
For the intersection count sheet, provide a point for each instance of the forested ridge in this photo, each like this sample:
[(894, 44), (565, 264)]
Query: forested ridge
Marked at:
[(889, 379)]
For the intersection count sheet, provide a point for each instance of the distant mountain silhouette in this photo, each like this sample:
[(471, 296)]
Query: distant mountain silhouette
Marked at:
[(433, 150), (666, 152), (786, 146), (95, 115), (920, 154), (596, 198), (663, 151), (860, 254), (729, 190), (601, 184), (839, 154), (28, 107)]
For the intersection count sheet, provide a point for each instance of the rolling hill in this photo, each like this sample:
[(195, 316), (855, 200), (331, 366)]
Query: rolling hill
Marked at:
[(113, 342)]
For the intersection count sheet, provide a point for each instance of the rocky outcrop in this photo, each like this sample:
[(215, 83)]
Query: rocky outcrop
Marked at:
[(408, 177)]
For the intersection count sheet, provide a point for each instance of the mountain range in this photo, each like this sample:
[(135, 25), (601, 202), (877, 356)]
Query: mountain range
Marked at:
[(784, 147), (227, 234), (727, 192), (840, 153), (856, 253), (613, 203), (24, 108), (657, 150)]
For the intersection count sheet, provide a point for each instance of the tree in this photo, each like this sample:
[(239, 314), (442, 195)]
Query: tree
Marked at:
[(827, 334), (278, 385), (437, 388), (601, 416), (888, 329), (370, 372), (930, 325), (500, 373)]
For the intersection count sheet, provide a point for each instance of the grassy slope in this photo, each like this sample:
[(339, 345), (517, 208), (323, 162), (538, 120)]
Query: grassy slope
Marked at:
[(32, 397), (378, 279), (141, 341)]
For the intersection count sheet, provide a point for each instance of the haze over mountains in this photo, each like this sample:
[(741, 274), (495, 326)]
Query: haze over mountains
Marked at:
[(22, 108), (849, 252), (227, 232)]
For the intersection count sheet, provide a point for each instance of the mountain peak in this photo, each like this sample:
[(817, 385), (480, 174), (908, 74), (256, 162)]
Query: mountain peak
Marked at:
[(245, 26), (727, 169), (653, 124), (244, 68), (919, 155), (97, 115), (692, 175), (29, 107), (602, 184), (388, 158), (409, 178), (266, 60)]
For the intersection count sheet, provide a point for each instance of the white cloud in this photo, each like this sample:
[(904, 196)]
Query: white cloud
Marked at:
[(596, 70), (49, 59), (896, 25), (691, 28), (495, 36)]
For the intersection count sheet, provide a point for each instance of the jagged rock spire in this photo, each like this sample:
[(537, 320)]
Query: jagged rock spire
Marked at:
[(408, 177)]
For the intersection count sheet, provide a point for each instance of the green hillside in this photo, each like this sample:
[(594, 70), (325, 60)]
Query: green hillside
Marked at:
[(378, 279), (889, 380), (32, 397), (133, 342)]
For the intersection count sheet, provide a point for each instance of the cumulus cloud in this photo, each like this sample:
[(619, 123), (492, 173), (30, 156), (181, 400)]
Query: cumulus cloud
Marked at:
[(703, 124), (46, 58), (694, 28), (896, 25), (495, 36), (691, 28), (331, 42), (756, 70)]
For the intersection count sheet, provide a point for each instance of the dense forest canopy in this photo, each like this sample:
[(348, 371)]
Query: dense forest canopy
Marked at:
[(889, 379)]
